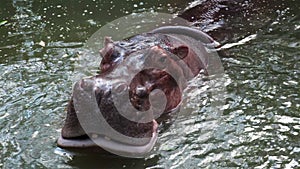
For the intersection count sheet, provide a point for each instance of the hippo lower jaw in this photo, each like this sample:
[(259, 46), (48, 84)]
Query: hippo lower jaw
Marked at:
[(110, 145)]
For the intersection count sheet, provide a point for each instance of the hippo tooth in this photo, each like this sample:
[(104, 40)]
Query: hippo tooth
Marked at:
[(107, 138), (95, 136)]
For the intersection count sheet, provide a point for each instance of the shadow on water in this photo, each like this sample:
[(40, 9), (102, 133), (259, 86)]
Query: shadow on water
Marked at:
[(110, 162), (260, 125)]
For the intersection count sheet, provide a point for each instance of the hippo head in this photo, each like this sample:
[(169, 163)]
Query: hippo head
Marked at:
[(114, 109)]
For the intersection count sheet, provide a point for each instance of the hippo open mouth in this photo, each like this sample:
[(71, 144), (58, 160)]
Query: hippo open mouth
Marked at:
[(141, 80)]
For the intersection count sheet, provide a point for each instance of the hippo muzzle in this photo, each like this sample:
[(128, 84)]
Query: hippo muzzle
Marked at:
[(141, 80)]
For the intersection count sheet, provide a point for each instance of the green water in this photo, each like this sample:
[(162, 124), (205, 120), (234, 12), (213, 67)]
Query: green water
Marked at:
[(259, 127)]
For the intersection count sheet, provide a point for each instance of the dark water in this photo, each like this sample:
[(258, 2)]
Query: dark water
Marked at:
[(260, 121)]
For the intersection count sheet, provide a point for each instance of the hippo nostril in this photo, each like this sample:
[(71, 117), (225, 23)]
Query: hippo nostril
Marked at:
[(82, 83), (141, 91), (86, 83)]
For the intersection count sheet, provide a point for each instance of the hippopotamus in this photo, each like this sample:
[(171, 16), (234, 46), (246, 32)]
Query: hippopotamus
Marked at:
[(160, 61)]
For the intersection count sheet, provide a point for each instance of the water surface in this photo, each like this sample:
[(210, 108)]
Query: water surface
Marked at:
[(258, 128)]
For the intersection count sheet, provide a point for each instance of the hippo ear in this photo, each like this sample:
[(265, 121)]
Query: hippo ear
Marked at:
[(107, 50), (107, 40), (181, 51)]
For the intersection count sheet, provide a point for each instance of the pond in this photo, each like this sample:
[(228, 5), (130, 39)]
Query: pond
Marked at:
[(259, 123)]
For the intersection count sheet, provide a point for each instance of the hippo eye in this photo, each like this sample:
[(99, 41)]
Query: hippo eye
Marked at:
[(141, 91)]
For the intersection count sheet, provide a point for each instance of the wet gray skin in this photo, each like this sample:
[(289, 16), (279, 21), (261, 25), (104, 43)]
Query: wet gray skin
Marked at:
[(128, 133)]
